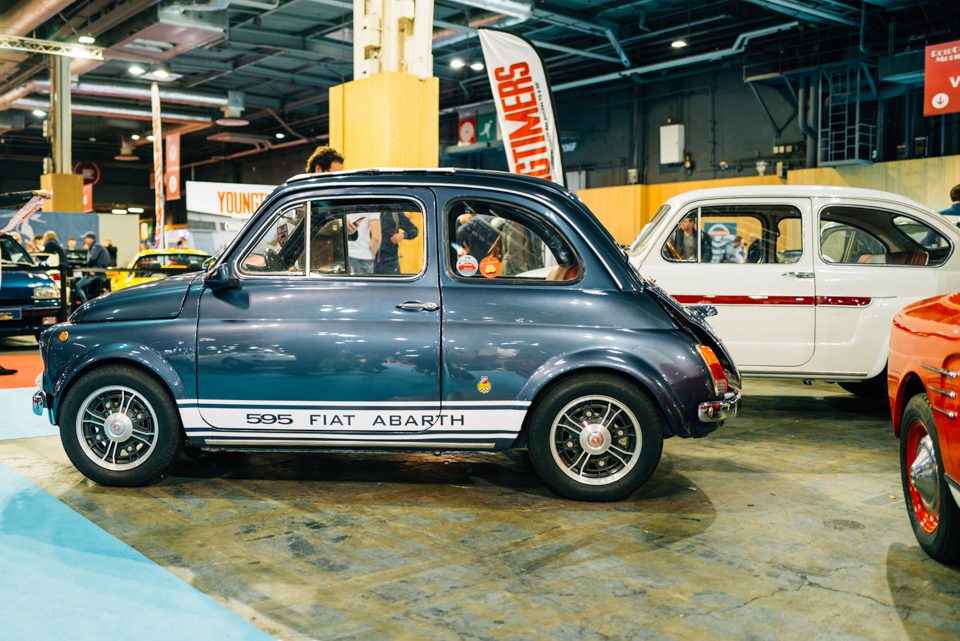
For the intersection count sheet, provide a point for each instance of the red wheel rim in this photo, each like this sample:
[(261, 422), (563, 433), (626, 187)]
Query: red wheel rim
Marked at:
[(927, 519)]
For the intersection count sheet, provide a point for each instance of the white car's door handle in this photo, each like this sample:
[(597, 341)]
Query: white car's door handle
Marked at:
[(417, 306), (798, 274)]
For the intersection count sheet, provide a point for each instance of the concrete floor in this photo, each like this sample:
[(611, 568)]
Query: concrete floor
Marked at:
[(787, 523)]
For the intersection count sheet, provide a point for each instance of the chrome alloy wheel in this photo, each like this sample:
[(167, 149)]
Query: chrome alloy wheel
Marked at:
[(595, 440), (924, 476), (117, 428)]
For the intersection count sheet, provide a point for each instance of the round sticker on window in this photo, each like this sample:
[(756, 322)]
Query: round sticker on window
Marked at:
[(490, 267), (467, 265)]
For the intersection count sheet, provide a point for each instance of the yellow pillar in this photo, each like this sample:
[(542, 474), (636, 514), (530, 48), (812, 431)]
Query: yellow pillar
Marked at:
[(390, 119), (67, 192)]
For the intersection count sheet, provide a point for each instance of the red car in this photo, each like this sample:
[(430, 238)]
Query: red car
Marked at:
[(924, 391)]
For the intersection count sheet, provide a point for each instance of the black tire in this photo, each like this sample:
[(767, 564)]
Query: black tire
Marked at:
[(625, 441), (933, 512), (130, 447), (874, 388)]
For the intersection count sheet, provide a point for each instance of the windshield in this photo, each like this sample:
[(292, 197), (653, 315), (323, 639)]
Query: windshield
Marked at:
[(13, 254), (647, 232)]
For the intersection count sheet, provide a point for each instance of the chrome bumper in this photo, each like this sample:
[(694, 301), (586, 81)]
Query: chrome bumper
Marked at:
[(720, 410), (39, 402)]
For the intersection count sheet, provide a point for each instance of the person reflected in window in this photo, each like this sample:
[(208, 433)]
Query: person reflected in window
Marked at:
[(363, 251), (734, 252), (395, 227), (754, 249), (475, 233), (685, 241)]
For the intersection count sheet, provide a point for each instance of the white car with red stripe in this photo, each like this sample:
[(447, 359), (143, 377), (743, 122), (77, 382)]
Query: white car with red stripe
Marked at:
[(812, 286)]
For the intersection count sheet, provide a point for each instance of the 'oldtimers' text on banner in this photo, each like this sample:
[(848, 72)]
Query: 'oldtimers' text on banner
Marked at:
[(521, 93)]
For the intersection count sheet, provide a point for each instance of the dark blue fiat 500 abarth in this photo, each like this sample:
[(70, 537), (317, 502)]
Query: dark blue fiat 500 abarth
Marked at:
[(412, 310)]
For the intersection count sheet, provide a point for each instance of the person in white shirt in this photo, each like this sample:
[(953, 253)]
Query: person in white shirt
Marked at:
[(363, 251)]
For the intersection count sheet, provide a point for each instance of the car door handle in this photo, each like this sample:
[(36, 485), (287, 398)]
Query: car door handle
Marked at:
[(798, 274), (417, 306)]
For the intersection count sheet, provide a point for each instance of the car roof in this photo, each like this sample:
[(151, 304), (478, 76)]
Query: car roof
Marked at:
[(796, 191)]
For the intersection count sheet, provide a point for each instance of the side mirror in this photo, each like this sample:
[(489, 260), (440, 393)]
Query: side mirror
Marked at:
[(221, 278)]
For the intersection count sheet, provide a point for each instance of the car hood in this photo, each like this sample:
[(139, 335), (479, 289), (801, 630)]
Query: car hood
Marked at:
[(149, 301), (18, 284)]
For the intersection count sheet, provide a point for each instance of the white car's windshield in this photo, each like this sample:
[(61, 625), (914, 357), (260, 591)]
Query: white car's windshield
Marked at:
[(646, 233)]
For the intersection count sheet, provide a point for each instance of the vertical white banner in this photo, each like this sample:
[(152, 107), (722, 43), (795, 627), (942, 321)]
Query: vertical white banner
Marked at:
[(158, 193), (524, 104)]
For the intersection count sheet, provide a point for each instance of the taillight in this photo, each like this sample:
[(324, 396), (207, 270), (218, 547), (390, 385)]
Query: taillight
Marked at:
[(716, 369)]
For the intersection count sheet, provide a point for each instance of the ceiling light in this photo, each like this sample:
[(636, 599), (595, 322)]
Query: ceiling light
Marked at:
[(137, 70), (39, 113), (457, 63), (280, 135), (232, 122), (151, 138), (126, 152), (161, 73), (135, 210), (118, 211), (679, 43), (86, 39), (477, 66), (135, 137)]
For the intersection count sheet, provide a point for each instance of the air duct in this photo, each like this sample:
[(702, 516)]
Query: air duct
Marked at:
[(86, 109), (30, 14), (141, 92)]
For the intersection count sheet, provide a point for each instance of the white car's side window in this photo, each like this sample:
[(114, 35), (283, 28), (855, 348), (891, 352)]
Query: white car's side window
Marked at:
[(745, 234), (868, 236)]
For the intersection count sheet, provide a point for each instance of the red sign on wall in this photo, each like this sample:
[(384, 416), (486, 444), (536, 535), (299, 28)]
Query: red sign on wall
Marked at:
[(88, 197), (941, 79), (91, 172), (171, 177), (467, 131)]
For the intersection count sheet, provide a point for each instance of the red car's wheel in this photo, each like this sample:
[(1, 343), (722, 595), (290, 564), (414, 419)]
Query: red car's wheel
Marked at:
[(933, 512)]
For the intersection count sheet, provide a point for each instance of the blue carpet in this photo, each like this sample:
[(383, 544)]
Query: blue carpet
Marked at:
[(62, 577), (17, 419)]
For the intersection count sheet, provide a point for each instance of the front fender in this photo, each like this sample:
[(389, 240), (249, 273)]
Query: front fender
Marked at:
[(668, 369), (118, 353)]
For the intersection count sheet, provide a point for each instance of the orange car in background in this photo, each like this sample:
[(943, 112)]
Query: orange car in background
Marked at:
[(924, 389)]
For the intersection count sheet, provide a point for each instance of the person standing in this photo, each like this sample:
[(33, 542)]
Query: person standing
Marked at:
[(395, 227), (953, 211), (97, 257), (324, 160), (111, 250), (363, 251)]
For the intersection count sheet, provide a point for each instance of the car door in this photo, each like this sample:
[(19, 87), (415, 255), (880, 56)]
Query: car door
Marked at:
[(875, 257), (307, 349), (513, 289), (750, 258)]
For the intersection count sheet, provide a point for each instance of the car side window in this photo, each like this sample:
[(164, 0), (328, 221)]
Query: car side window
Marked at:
[(852, 235), (490, 240), (366, 238), (280, 248), (740, 234)]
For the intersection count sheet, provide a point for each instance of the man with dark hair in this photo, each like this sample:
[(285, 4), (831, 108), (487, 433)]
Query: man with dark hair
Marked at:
[(953, 210), (324, 159), (97, 256)]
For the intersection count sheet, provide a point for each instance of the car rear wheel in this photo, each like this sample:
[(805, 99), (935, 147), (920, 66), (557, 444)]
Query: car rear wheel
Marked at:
[(933, 512), (875, 387), (119, 427), (595, 438)]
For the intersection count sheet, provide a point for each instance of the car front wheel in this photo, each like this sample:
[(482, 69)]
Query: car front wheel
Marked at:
[(934, 514), (119, 427), (595, 438)]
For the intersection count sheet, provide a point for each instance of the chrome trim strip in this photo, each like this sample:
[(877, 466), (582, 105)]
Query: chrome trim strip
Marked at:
[(363, 444), (949, 373), (947, 393), (947, 413)]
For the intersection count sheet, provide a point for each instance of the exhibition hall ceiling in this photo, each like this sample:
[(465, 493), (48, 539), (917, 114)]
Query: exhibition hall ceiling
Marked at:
[(271, 62)]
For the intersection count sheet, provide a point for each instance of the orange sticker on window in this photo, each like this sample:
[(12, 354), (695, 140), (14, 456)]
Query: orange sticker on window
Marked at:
[(490, 267)]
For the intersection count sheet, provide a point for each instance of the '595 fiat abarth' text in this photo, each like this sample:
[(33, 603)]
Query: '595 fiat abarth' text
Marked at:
[(309, 332)]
